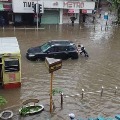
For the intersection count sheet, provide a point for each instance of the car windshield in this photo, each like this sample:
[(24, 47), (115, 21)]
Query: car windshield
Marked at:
[(45, 47)]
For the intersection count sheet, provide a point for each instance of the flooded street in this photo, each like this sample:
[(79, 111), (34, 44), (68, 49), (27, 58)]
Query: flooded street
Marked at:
[(102, 68)]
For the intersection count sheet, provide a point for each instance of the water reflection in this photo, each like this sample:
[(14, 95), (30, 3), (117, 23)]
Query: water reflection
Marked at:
[(100, 69)]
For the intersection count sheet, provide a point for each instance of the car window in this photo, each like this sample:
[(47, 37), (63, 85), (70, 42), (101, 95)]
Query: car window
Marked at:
[(45, 47), (52, 49), (11, 65), (72, 47)]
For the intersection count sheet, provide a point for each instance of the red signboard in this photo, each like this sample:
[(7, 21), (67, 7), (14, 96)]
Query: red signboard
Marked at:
[(84, 11), (5, 0), (7, 7), (71, 11)]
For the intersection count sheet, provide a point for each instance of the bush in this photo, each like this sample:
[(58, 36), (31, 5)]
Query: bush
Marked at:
[(2, 100)]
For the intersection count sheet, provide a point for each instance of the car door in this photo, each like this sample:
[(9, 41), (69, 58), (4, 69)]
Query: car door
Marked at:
[(73, 52), (61, 52), (64, 53), (50, 52)]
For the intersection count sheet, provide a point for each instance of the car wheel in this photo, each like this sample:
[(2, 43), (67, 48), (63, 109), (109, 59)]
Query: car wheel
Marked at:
[(74, 57), (38, 59), (65, 58)]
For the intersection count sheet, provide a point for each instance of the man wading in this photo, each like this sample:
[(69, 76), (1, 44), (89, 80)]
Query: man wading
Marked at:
[(82, 50)]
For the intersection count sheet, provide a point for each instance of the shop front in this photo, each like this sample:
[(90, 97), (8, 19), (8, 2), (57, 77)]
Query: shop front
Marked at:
[(68, 9), (6, 14), (23, 12), (55, 12), (69, 13), (50, 16), (73, 9), (24, 19)]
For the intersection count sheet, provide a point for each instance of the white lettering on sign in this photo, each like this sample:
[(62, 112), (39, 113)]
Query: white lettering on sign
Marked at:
[(73, 4)]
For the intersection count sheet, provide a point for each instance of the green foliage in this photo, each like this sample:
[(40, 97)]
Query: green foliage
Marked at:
[(2, 100), (24, 111), (27, 110), (116, 5), (56, 90)]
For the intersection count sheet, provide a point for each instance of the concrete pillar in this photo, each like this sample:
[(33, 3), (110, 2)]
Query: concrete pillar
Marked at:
[(61, 16)]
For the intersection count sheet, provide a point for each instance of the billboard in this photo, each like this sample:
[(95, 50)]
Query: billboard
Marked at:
[(26, 6)]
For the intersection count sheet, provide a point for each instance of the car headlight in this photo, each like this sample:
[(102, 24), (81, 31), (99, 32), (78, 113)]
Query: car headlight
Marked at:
[(31, 55)]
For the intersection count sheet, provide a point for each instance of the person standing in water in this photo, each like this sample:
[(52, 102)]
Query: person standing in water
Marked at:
[(72, 20), (82, 50)]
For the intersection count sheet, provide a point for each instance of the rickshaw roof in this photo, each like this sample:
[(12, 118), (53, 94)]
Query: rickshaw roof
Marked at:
[(9, 45)]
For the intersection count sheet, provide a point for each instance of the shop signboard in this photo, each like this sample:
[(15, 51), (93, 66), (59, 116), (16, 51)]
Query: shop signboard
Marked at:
[(78, 5), (5, 0), (26, 6), (71, 11), (5, 5), (89, 11), (86, 11)]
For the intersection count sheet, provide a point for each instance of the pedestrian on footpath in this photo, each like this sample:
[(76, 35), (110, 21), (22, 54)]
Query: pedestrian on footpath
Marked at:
[(73, 18)]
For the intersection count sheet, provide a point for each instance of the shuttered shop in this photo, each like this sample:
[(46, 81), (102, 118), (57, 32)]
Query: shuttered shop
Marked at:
[(50, 17)]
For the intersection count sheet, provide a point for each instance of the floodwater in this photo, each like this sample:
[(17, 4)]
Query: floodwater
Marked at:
[(102, 68)]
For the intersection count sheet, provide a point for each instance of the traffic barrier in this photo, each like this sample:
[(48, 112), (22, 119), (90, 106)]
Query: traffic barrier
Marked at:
[(83, 93)]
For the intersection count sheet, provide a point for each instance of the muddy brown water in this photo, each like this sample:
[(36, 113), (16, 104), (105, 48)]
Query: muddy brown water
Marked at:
[(102, 68)]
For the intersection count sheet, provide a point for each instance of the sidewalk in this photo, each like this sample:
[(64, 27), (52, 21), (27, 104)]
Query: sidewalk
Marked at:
[(99, 20)]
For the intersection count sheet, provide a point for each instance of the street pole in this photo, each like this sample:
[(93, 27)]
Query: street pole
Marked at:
[(98, 6), (37, 15), (51, 92)]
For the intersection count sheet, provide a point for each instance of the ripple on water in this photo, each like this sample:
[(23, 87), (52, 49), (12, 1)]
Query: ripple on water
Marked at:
[(100, 69)]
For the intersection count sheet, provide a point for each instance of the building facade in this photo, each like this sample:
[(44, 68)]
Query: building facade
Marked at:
[(5, 12), (55, 11)]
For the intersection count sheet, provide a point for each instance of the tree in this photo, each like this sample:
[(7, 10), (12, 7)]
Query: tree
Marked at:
[(116, 5)]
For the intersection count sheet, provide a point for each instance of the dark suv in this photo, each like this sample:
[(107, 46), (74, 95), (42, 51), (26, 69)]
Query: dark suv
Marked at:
[(59, 49)]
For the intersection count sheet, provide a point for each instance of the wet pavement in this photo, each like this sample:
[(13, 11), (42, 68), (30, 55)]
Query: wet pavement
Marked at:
[(100, 69)]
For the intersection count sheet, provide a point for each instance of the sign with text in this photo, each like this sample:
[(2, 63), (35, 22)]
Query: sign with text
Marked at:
[(3, 0), (73, 11), (86, 11), (26, 6), (53, 64)]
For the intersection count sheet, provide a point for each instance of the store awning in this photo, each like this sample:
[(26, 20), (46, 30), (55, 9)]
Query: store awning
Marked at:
[(5, 6)]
